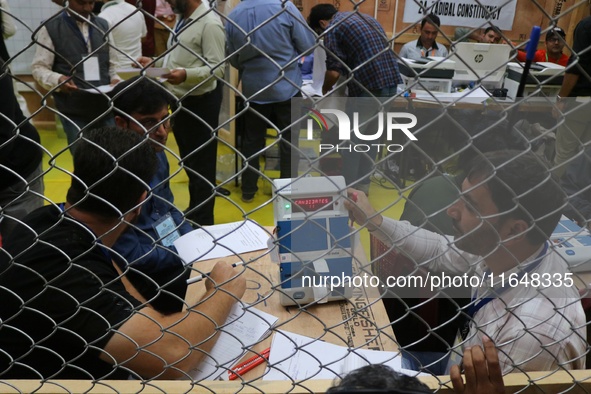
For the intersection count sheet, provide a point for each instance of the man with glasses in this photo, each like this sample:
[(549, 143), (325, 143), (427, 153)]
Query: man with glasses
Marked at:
[(508, 207), (146, 247), (555, 40)]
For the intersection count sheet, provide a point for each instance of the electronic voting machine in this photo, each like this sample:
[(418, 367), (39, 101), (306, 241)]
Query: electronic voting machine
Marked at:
[(573, 244), (313, 238), (544, 79)]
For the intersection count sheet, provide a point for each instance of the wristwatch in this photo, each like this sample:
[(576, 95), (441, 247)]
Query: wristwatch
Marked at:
[(558, 98)]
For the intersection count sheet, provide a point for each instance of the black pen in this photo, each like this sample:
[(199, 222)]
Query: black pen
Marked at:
[(200, 277)]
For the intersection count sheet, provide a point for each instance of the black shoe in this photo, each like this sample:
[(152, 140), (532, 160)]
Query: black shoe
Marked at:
[(223, 191), (247, 198)]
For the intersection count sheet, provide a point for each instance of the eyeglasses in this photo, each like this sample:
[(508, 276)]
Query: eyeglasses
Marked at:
[(554, 39), (151, 124)]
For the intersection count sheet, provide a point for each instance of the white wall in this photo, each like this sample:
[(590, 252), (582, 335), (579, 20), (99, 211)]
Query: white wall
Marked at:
[(28, 16)]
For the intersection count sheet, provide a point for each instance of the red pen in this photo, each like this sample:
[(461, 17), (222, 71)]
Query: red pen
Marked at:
[(249, 364)]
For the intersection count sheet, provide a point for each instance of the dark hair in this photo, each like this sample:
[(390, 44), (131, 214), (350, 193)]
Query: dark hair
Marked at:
[(378, 378), (112, 168), (140, 94), (320, 12), (556, 31), (521, 187), (432, 19), (493, 28)]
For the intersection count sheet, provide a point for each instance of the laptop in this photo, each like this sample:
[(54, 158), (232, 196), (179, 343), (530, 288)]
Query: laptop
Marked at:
[(477, 61)]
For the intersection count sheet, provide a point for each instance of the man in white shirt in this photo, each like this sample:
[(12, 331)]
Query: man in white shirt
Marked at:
[(71, 55), (527, 302), (128, 28), (426, 45)]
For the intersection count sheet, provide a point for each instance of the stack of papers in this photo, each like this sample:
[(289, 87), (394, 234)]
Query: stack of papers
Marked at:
[(221, 240), (130, 72), (297, 357), (244, 328)]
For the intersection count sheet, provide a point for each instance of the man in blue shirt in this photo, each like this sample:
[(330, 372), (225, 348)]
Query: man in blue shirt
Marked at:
[(267, 60), (141, 105)]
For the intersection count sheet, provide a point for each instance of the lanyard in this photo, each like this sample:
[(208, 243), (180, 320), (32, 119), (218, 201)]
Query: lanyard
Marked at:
[(72, 23), (475, 307), (177, 28), (423, 53)]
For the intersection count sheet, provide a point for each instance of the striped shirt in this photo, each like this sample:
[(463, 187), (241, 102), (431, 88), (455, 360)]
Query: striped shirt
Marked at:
[(357, 47), (534, 327)]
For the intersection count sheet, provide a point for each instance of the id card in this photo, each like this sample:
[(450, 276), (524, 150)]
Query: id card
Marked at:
[(166, 229), (91, 69)]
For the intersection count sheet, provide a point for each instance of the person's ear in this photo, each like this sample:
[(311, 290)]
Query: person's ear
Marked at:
[(121, 122), (140, 201), (135, 213), (516, 230)]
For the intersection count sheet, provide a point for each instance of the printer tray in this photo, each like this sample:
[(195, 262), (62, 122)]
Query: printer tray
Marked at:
[(532, 80), (412, 72)]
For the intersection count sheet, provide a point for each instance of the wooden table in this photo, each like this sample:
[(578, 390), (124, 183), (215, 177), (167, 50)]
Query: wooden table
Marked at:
[(360, 322)]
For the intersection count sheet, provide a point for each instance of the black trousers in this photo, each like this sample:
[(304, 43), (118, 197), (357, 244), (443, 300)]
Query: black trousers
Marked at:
[(195, 132), (258, 118)]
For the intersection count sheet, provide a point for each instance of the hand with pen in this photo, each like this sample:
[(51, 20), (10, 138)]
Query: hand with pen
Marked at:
[(361, 211), (224, 277)]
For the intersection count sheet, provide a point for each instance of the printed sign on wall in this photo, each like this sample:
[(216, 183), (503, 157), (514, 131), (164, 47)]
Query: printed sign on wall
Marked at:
[(463, 12)]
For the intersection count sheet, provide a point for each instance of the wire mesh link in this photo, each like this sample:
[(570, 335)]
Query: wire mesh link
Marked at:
[(95, 289)]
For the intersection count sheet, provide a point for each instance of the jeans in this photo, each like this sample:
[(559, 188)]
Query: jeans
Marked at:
[(195, 129), (258, 119), (433, 362), (74, 125)]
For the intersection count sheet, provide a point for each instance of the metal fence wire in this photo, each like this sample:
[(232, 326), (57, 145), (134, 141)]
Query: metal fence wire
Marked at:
[(478, 227)]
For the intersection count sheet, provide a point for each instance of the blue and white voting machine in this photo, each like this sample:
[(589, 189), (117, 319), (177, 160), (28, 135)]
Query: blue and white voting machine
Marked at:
[(313, 238), (573, 243)]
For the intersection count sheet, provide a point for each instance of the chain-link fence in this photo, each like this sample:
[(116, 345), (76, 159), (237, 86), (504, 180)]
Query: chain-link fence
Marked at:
[(399, 189)]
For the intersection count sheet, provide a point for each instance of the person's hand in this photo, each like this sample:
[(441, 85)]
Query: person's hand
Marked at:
[(361, 211), (144, 61), (176, 76), (115, 81), (224, 276), (482, 370), (67, 85)]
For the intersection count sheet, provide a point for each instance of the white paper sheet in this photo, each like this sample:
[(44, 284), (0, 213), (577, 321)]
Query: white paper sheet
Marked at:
[(221, 240), (100, 89), (243, 329), (297, 357)]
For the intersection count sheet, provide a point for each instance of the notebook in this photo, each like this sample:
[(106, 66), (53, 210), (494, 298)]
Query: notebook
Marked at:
[(244, 328), (297, 357)]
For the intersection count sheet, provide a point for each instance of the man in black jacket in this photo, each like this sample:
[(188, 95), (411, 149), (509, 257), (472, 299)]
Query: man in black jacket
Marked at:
[(21, 182)]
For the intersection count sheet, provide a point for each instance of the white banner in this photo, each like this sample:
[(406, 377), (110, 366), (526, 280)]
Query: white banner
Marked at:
[(467, 13)]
